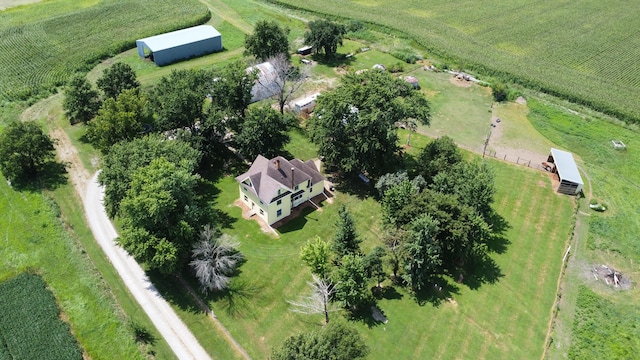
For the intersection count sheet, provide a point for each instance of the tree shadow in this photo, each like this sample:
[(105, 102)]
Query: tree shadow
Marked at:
[(497, 243), (298, 221), (353, 185), (236, 299), (435, 291), (481, 271), (338, 60), (51, 175), (172, 291), (387, 293), (364, 315)]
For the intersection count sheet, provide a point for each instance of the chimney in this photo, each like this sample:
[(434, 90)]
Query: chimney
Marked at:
[(292, 170), (277, 163)]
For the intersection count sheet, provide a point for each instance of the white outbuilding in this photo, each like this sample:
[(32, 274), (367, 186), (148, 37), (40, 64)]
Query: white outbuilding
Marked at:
[(565, 166)]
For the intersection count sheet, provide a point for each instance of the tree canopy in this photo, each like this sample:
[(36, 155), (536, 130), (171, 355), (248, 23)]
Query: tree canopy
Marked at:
[(325, 35), (316, 255), (231, 93), (24, 151), (267, 40), (346, 240), (125, 158), (264, 132), (437, 156), (336, 341), (178, 99), (354, 125), (160, 215), (215, 259), (81, 101), (118, 119), (287, 80), (351, 281), (117, 78)]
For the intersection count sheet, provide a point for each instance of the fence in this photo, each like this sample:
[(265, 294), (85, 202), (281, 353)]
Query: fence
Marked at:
[(534, 164)]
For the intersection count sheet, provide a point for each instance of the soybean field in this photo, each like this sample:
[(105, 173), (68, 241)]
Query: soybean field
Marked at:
[(42, 44), (30, 325), (585, 51)]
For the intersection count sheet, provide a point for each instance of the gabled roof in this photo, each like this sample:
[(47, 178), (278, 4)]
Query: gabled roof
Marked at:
[(267, 176), (180, 37), (567, 168)]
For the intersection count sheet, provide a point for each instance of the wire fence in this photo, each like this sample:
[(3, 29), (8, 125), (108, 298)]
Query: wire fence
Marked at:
[(534, 164)]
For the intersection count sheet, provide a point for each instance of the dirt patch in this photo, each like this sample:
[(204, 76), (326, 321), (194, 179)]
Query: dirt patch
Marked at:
[(78, 175), (520, 100), (611, 277), (460, 82)]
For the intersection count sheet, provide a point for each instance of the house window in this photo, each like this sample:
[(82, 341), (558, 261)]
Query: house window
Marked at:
[(296, 188), (279, 213), (261, 212), (261, 203), (279, 202), (278, 191), (245, 188), (297, 197), (246, 198), (308, 183)]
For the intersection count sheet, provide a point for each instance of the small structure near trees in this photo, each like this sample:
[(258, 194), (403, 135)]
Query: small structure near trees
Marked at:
[(565, 166), (618, 145)]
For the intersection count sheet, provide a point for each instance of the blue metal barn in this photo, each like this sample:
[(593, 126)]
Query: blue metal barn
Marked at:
[(182, 44)]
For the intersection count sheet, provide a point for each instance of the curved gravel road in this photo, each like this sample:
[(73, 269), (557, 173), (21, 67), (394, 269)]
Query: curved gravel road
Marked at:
[(175, 332)]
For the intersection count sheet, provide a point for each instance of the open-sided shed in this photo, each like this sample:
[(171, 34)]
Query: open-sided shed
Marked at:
[(182, 44), (567, 170)]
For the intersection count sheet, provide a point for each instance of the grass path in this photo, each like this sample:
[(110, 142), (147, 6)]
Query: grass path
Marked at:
[(227, 13)]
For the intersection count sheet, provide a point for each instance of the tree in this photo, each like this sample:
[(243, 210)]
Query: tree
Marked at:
[(81, 102), (499, 91), (264, 132), (118, 119), (373, 264), (345, 240), (267, 40), (318, 301), (395, 199), (178, 99), (394, 239), (125, 158), (117, 78), (439, 155), (351, 282), (24, 151), (316, 254), (473, 182), (354, 125), (325, 35), (336, 341), (231, 93), (288, 79), (422, 252), (215, 259), (160, 215)]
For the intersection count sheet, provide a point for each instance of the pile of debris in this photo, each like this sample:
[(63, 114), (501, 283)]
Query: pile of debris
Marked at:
[(611, 277)]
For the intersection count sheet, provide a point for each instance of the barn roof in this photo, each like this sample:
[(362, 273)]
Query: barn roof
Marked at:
[(567, 168), (180, 37)]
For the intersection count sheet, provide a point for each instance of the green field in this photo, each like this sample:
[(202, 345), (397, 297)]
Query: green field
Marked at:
[(579, 50), (505, 319), (44, 43), (30, 325), (33, 237)]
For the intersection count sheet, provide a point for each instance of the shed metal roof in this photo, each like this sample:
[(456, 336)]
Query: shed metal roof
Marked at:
[(180, 37), (567, 168)]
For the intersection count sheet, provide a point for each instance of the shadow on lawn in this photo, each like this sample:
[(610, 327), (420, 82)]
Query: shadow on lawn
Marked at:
[(51, 175), (236, 299), (437, 290)]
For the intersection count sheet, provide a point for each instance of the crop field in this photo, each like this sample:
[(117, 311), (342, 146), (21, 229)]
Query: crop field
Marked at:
[(44, 43), (30, 325), (580, 50)]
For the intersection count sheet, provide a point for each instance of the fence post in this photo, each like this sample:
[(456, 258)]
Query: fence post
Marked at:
[(505, 157), (529, 164)]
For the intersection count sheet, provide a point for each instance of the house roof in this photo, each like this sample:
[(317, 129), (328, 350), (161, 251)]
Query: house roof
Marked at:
[(567, 168), (180, 37), (267, 176)]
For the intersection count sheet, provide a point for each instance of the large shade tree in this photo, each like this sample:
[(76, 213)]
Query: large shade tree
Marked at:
[(125, 158), (287, 79), (267, 40), (117, 78), (231, 94), (325, 35), (81, 101), (264, 132), (161, 215), (120, 118), (178, 99), (354, 125), (24, 151)]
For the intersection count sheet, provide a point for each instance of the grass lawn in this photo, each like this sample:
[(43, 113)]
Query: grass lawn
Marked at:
[(34, 238), (506, 319), (610, 238)]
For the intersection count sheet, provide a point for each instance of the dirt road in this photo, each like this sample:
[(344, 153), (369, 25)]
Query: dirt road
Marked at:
[(175, 332)]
